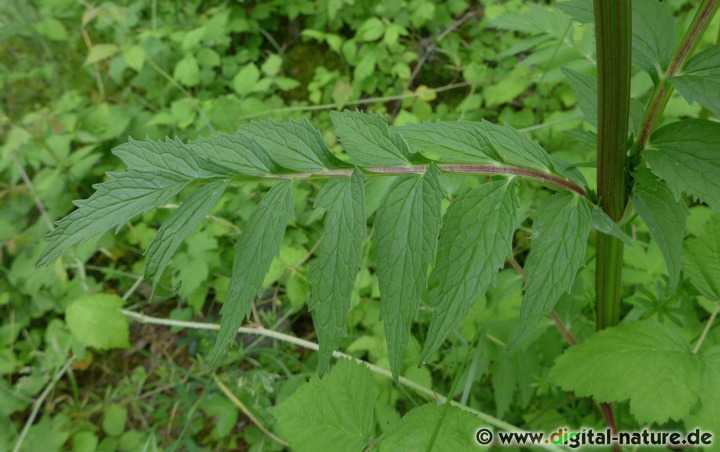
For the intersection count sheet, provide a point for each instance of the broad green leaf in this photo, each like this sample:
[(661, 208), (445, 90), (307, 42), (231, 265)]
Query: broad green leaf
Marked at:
[(84, 442), (568, 170), (330, 413), (664, 216), (170, 157), (375, 189), (701, 259), (475, 239), (449, 142), (584, 137), (294, 144), (637, 111), (585, 88), (368, 140), (271, 67), (333, 273), (512, 372), (580, 10), (52, 28), (101, 52), (559, 239), (180, 224), (523, 46), (539, 19), (96, 321), (135, 57), (515, 148), (503, 383), (653, 36), (371, 30), (246, 79), (699, 80), (686, 155), (239, 152), (187, 71), (406, 232), (707, 415), (659, 373), (414, 433), (115, 419), (258, 244), (606, 225), (114, 203)]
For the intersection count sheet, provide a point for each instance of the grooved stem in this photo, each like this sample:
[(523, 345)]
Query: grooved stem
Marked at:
[(613, 28), (663, 89), (613, 37)]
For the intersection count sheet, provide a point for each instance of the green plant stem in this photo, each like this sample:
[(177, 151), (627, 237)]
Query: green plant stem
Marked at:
[(708, 325), (613, 38), (539, 176), (664, 89), (613, 28), (608, 275), (260, 331)]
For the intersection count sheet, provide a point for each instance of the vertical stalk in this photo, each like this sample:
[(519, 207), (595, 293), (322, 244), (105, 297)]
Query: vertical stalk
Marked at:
[(613, 29)]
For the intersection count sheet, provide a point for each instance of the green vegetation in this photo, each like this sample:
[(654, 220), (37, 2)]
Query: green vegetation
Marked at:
[(383, 225)]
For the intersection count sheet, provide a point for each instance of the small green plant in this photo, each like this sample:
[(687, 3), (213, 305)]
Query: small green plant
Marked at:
[(455, 256)]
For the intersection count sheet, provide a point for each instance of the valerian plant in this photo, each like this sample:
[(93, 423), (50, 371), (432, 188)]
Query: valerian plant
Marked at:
[(458, 254), (465, 252)]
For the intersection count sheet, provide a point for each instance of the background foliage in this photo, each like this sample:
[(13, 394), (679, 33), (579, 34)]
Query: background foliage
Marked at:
[(78, 78)]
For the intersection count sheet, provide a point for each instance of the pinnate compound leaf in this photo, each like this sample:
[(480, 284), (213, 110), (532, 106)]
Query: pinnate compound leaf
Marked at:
[(258, 244), (585, 88), (606, 225), (369, 141), (653, 36), (449, 141), (699, 80), (296, 145), (701, 259), (239, 153), (559, 239), (115, 202), (180, 224), (457, 430), (686, 155), (330, 413), (664, 216), (406, 232), (634, 354), (170, 157), (475, 239), (96, 321), (333, 273)]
